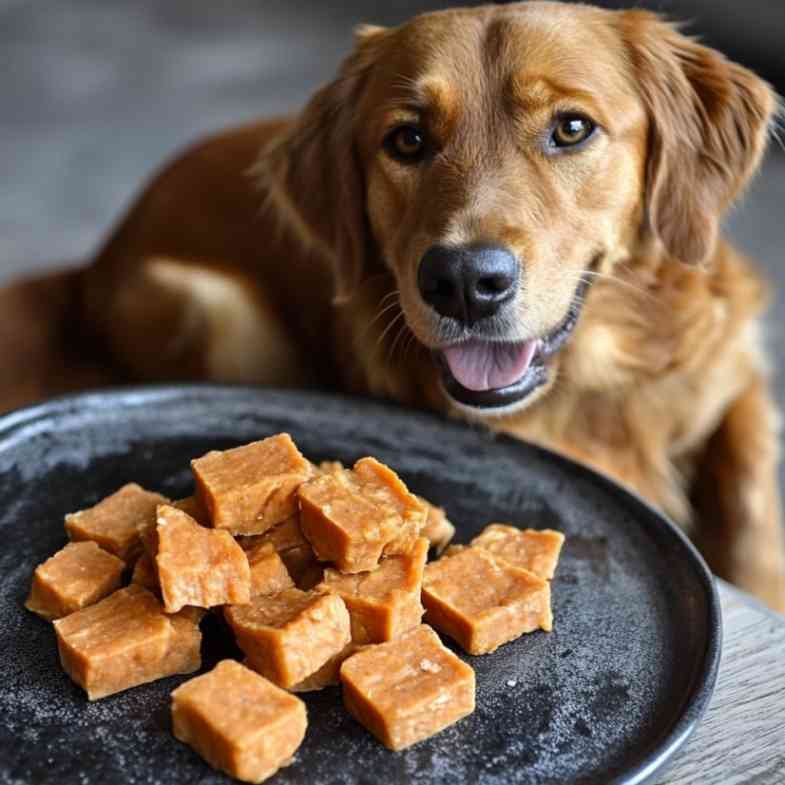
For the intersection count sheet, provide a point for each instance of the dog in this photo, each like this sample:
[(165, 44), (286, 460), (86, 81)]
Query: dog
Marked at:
[(508, 214)]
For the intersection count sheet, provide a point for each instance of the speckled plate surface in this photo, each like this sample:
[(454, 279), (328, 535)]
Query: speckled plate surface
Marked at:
[(607, 697)]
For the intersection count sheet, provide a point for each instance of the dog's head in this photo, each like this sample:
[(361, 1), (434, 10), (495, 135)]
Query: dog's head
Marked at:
[(496, 159)]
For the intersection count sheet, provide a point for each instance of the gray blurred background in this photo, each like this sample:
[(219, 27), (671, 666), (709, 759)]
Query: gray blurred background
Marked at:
[(94, 94)]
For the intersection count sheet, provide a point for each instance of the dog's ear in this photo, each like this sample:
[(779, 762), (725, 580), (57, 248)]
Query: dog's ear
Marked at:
[(709, 121), (312, 173)]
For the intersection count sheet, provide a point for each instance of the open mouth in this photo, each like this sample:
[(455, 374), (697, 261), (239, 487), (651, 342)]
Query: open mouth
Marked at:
[(490, 374)]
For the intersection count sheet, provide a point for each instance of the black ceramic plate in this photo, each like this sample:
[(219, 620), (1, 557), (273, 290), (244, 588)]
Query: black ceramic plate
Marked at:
[(607, 697)]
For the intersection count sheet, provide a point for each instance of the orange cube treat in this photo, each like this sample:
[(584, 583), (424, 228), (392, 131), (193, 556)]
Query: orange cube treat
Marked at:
[(114, 523), (124, 640), (384, 603), (189, 613), (194, 507), (353, 517), (198, 566), (283, 536), (76, 576), (249, 489), (409, 689), (330, 467), (297, 554), (387, 489), (437, 530), (145, 573), (290, 635), (148, 529), (268, 572), (329, 674), (451, 550), (532, 550), (238, 721), (481, 602)]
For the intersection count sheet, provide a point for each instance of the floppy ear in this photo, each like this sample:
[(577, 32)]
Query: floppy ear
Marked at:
[(312, 173), (709, 120)]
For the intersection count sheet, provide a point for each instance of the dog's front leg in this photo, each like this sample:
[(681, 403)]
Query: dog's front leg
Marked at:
[(737, 498)]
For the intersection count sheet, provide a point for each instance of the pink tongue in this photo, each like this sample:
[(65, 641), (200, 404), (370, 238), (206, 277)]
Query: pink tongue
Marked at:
[(480, 365)]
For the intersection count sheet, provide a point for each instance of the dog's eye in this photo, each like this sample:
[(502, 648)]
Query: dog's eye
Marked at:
[(406, 143), (571, 129)]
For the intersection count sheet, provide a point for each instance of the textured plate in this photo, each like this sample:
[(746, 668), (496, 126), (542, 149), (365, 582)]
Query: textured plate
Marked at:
[(606, 697)]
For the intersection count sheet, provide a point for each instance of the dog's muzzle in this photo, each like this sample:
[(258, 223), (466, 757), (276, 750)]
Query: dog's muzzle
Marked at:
[(487, 374)]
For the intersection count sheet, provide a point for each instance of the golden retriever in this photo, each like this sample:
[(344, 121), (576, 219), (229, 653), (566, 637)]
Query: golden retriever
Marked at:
[(506, 213)]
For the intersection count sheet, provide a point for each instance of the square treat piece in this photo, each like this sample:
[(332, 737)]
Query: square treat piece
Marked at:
[(296, 552), (483, 603), (75, 577), (330, 467), (145, 573), (354, 517), (114, 523), (198, 566), (249, 489), (124, 640), (408, 689), (329, 674), (437, 530), (268, 572), (384, 603), (238, 721), (529, 549), (148, 531), (288, 636), (194, 507)]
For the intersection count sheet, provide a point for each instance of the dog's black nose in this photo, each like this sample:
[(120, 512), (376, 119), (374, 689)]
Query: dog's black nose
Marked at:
[(467, 282)]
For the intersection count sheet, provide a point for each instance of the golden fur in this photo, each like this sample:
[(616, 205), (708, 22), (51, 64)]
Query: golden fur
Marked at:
[(298, 264)]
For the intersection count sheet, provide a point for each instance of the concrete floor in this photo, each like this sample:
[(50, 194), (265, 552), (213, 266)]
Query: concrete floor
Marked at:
[(96, 93)]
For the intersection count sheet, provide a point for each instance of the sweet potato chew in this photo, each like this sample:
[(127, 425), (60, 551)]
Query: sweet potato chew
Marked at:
[(148, 528), (77, 576), (249, 489), (125, 640), (290, 635), (408, 689), (295, 551), (534, 550), (329, 674), (238, 721), (383, 603), (354, 517), (198, 566), (114, 523), (194, 507), (268, 572), (437, 529), (482, 602), (330, 467), (145, 573)]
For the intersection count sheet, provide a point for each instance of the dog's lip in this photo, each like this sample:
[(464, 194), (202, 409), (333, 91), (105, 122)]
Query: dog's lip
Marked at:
[(534, 369)]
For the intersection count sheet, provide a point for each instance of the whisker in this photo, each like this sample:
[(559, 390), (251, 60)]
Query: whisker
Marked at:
[(401, 332), (381, 313), (387, 329), (392, 293), (383, 310)]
